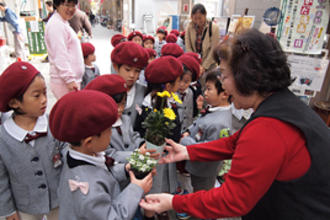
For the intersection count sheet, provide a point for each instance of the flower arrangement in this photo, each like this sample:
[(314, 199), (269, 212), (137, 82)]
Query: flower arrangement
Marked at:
[(141, 164), (160, 122)]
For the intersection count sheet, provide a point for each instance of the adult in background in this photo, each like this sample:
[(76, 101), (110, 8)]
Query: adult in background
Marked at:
[(64, 50), (11, 18), (80, 23), (280, 157), (50, 10), (201, 37)]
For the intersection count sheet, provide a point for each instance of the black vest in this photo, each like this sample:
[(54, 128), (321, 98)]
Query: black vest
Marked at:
[(307, 197)]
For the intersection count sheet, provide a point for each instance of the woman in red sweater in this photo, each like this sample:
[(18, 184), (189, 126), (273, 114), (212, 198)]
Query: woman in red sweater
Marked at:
[(280, 158)]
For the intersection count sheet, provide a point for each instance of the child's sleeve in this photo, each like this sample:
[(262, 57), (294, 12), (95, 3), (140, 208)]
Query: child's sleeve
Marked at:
[(119, 172), (7, 206)]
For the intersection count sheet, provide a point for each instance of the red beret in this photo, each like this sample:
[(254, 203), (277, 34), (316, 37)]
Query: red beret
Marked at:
[(131, 54), (133, 34), (148, 37), (192, 64), (87, 49), (183, 33), (176, 32), (111, 84), (162, 29), (171, 49), (81, 114), (117, 38), (14, 81), (196, 56), (171, 38), (151, 52), (163, 69)]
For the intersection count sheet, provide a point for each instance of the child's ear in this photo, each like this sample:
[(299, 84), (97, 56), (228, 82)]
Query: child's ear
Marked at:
[(14, 103), (168, 87), (116, 67), (87, 142), (224, 95)]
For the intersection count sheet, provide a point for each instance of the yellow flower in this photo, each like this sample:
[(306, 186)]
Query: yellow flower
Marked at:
[(166, 123), (163, 94), (176, 98), (169, 113), (155, 110)]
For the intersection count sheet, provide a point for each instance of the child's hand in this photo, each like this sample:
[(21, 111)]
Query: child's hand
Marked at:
[(200, 102), (127, 167), (13, 217), (145, 183)]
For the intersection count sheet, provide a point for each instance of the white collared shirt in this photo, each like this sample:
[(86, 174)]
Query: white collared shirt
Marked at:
[(118, 123), (130, 97), (19, 133), (98, 160), (219, 108)]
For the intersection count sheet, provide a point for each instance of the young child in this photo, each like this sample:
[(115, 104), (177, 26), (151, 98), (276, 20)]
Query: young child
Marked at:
[(115, 40), (30, 158), (161, 34), (175, 32), (136, 37), (162, 74), (129, 59), (89, 184), (91, 70), (148, 41), (207, 128), (188, 109), (152, 55), (171, 38), (123, 139), (171, 49)]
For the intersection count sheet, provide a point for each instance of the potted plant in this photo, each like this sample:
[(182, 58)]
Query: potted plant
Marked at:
[(159, 123), (141, 165)]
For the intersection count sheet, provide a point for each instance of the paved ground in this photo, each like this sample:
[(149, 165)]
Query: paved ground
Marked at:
[(103, 48)]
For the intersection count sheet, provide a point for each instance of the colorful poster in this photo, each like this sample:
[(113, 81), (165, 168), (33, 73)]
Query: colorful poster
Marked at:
[(238, 23), (303, 25), (309, 73)]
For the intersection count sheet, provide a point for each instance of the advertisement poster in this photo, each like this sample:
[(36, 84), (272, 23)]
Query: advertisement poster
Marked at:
[(238, 22), (309, 73), (303, 26)]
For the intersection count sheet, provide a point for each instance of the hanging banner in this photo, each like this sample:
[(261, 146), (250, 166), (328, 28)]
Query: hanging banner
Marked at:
[(309, 73), (303, 26)]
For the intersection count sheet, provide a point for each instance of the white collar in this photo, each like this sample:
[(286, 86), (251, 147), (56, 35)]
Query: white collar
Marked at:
[(118, 123), (19, 133), (219, 108), (130, 97), (98, 160), (147, 101), (90, 67)]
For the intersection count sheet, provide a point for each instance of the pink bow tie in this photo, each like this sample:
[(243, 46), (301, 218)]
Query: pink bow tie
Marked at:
[(83, 186)]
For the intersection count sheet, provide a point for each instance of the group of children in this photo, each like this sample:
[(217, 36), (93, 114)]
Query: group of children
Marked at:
[(63, 163)]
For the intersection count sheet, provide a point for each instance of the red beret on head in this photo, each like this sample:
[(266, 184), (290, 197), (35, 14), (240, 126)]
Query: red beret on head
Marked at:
[(163, 69), (116, 39), (171, 49), (183, 33), (176, 32), (131, 54), (81, 114), (196, 56), (87, 49), (133, 34), (151, 52), (162, 29), (171, 38), (111, 84), (14, 81), (192, 64), (148, 37)]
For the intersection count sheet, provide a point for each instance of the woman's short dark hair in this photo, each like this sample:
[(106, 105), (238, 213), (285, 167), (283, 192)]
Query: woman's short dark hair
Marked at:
[(58, 2), (198, 8), (49, 3), (214, 77), (257, 62)]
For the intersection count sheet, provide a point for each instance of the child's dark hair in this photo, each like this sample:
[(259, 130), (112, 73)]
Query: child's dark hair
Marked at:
[(157, 87), (49, 3), (78, 143), (213, 76), (59, 2), (119, 97), (18, 111), (3, 4), (187, 71)]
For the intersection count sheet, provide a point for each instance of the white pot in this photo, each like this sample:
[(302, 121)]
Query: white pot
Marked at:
[(159, 149)]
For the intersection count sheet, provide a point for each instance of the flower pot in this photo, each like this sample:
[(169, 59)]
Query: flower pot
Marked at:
[(139, 174), (159, 149)]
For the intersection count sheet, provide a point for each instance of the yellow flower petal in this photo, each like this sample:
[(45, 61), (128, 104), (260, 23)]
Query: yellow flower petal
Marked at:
[(169, 113), (176, 98), (164, 94)]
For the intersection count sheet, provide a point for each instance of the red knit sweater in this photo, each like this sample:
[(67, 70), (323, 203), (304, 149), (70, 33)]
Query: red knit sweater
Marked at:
[(267, 150)]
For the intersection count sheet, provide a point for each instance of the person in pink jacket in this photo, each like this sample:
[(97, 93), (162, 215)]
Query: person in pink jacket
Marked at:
[(64, 50)]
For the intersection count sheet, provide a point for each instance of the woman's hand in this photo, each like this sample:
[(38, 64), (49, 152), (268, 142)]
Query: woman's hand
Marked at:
[(72, 86), (176, 152), (153, 153), (157, 202), (13, 217)]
